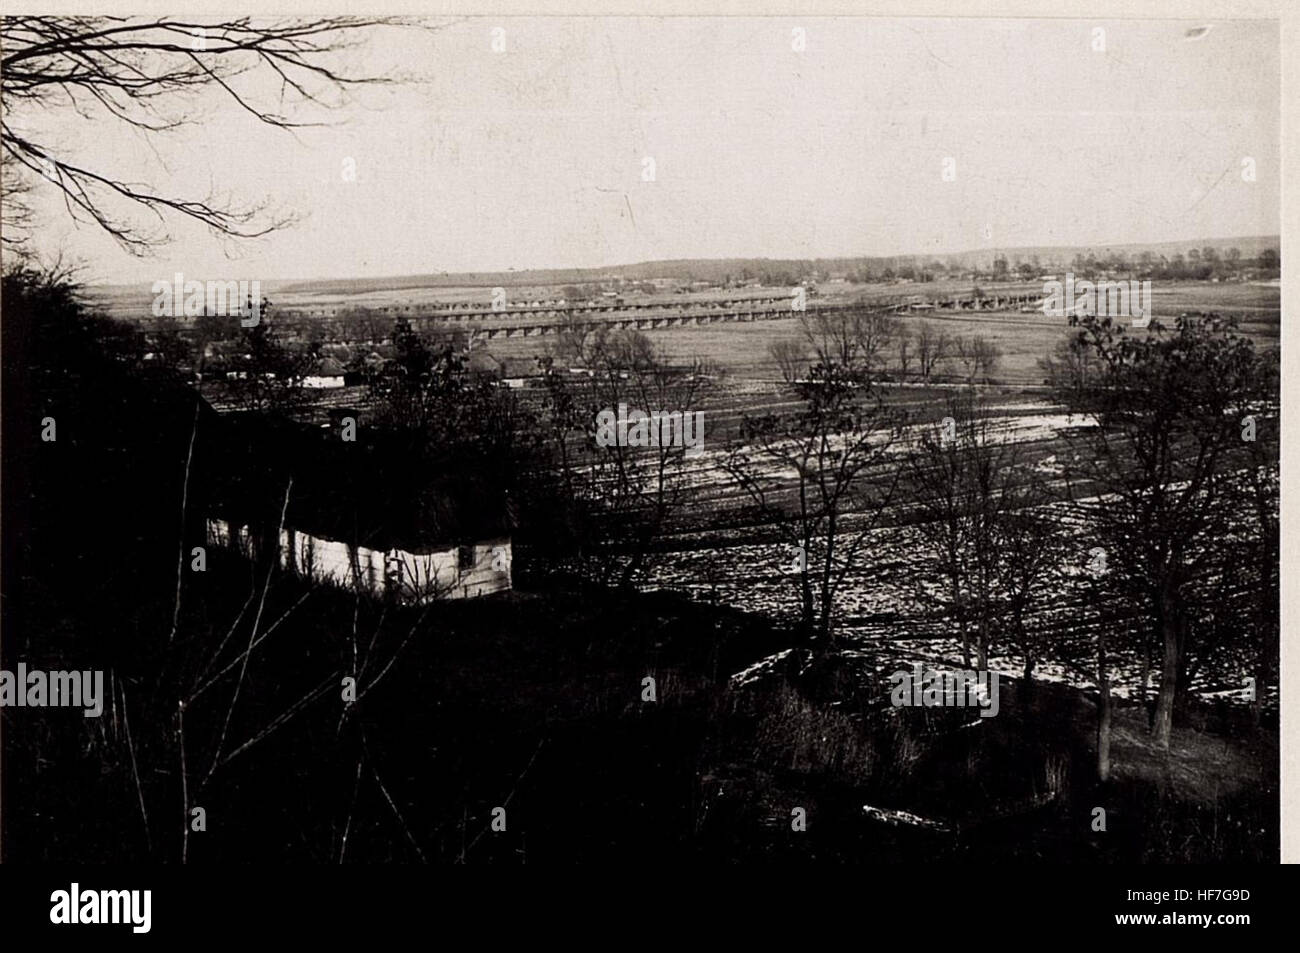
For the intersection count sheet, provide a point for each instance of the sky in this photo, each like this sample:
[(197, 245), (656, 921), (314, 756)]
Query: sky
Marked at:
[(536, 156)]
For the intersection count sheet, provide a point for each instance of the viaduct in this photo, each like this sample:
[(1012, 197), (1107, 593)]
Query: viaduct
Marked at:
[(552, 317)]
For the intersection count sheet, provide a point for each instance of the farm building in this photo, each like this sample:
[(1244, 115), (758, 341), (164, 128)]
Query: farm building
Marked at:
[(326, 373), (335, 512), (511, 372), (460, 571)]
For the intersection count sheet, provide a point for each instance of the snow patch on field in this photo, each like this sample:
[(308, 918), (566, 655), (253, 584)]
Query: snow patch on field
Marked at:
[(758, 669), (902, 818)]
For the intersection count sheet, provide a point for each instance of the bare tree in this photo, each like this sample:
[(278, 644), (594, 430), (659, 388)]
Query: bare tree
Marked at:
[(987, 357), (265, 373), (814, 475), (791, 357), (964, 353), (905, 352), (1149, 478), (1029, 542), (360, 324), (1072, 366), (932, 346), (579, 343), (170, 348), (655, 478), (146, 73), (1262, 489), (859, 337), (623, 493), (967, 488), (15, 211), (978, 355)]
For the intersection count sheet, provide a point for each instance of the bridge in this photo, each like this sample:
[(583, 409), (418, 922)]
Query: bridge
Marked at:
[(650, 322), (467, 311), (550, 317), (464, 312)]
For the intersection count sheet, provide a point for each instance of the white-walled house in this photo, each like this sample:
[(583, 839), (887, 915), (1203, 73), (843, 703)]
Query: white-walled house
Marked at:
[(464, 571), (353, 514), (324, 375)]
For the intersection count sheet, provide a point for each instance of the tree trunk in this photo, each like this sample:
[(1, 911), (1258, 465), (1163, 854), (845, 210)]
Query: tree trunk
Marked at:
[(1146, 678), (634, 564), (1028, 647), (825, 584), (984, 641), (808, 615), (630, 570), (1186, 672), (1164, 718), (1103, 712), (1262, 670), (1267, 635), (825, 627), (824, 635), (955, 589)]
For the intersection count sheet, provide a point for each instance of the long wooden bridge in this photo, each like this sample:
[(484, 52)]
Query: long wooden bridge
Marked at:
[(545, 318)]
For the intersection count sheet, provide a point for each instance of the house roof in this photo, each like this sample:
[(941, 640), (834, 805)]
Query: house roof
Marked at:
[(328, 367), (520, 367), (340, 352), (363, 493), (483, 361)]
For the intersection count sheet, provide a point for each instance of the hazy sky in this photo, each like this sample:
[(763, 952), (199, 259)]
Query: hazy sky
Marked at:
[(534, 157)]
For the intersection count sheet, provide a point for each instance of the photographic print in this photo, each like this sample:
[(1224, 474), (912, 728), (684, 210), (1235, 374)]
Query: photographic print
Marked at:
[(637, 439)]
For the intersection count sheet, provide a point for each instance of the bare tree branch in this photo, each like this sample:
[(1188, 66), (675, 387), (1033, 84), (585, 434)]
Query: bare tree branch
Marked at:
[(148, 74)]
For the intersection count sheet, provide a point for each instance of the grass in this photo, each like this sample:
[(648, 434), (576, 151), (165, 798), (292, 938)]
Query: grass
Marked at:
[(1019, 786), (533, 701), (742, 349)]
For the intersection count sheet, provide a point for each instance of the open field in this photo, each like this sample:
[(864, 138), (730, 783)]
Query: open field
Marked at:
[(742, 349), (887, 608)]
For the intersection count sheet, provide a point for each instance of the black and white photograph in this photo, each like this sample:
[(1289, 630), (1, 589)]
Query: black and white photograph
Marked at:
[(640, 439)]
